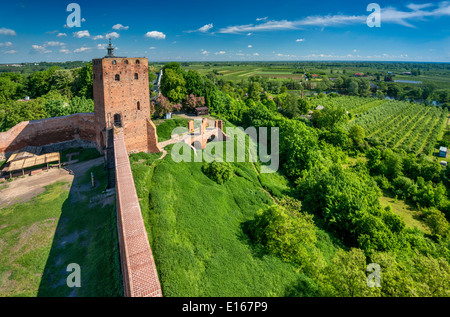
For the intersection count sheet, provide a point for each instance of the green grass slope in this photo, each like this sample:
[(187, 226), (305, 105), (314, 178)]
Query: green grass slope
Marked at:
[(196, 232)]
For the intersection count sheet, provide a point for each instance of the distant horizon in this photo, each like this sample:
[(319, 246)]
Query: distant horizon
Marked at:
[(234, 61)]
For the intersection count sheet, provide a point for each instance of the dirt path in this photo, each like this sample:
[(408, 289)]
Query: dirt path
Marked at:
[(24, 189)]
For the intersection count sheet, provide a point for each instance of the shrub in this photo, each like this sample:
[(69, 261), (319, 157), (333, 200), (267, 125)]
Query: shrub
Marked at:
[(382, 182), (437, 222), (286, 232), (220, 172), (404, 187)]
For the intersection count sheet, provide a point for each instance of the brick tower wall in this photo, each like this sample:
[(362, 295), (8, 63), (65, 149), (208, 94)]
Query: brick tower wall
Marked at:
[(127, 96)]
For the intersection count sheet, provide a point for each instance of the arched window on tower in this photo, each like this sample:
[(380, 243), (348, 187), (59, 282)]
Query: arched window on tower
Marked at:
[(117, 77), (138, 105), (138, 62), (126, 61), (114, 62), (136, 76)]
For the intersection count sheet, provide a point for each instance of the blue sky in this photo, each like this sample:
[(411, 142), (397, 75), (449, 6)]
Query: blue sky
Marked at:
[(244, 30)]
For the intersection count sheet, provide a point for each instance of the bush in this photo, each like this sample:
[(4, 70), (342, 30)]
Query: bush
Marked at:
[(382, 182), (286, 232), (404, 187), (437, 222), (220, 172)]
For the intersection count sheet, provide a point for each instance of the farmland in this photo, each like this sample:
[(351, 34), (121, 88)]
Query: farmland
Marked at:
[(399, 124), (237, 73), (240, 72)]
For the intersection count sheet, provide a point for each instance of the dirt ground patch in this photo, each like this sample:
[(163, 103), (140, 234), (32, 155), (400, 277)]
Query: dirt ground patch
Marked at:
[(24, 189)]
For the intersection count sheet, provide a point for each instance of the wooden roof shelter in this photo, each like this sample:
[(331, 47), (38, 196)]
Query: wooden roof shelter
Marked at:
[(29, 151), (200, 111), (26, 161)]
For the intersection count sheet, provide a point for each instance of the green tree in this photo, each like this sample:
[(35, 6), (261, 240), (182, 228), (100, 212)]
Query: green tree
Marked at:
[(12, 86), (39, 83), (353, 87), (62, 80), (254, 91), (194, 83), (176, 67), (357, 134), (173, 85), (286, 232), (303, 106), (83, 85), (395, 282), (299, 148), (347, 275), (80, 105), (332, 116), (438, 223)]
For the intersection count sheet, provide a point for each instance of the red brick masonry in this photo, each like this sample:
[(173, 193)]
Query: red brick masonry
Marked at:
[(48, 131), (140, 277)]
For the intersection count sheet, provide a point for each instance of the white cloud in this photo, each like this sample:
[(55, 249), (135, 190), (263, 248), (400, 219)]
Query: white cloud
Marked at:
[(418, 12), (152, 48), (11, 52), (120, 27), (40, 49), (250, 46), (5, 31), (98, 37), (155, 35), (392, 15), (220, 53), (101, 46), (416, 7), (61, 35), (204, 52), (64, 50), (262, 19), (300, 40), (82, 49), (206, 27), (112, 35), (7, 44), (53, 44), (81, 34), (83, 20), (256, 54), (248, 34), (203, 29), (267, 26)]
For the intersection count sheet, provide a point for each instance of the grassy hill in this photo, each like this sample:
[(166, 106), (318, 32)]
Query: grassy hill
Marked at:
[(196, 229)]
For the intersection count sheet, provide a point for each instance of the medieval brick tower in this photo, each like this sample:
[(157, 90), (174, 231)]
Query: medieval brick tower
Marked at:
[(122, 100)]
